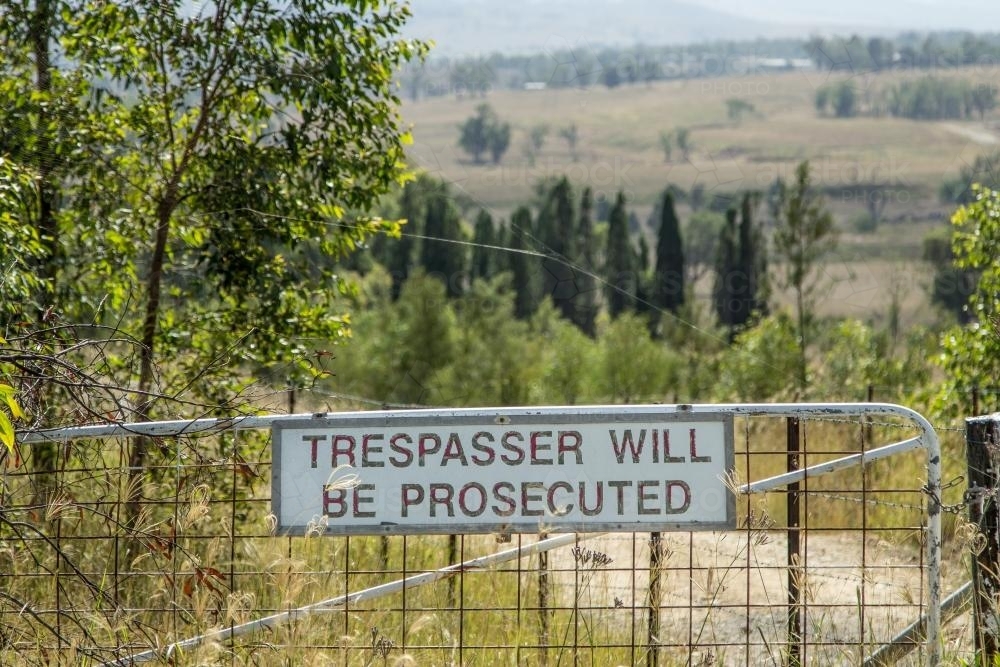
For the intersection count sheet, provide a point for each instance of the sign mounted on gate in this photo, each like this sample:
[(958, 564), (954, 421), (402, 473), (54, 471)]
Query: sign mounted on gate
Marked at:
[(510, 470)]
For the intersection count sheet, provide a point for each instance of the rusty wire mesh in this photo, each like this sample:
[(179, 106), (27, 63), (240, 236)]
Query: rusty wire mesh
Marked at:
[(86, 582)]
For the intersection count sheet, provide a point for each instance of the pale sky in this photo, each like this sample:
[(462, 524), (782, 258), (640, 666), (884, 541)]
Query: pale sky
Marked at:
[(978, 15)]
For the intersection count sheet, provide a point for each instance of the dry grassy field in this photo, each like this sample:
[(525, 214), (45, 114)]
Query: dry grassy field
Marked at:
[(620, 128), (619, 149)]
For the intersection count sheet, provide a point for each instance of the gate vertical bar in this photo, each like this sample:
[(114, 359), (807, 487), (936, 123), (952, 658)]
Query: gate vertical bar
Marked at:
[(543, 603), (982, 435), (451, 558), (793, 555)]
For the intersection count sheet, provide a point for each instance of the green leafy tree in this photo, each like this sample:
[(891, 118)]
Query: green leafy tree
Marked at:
[(841, 97), (844, 99), (737, 109), (985, 170), (571, 134), (226, 147), (822, 99), (569, 365), (804, 232), (21, 249), (536, 139), (494, 359), (408, 341), (475, 132), (983, 99), (484, 133), (499, 141), (627, 346), (32, 92), (682, 136), (667, 145), (472, 77), (757, 366), (970, 354), (952, 285)]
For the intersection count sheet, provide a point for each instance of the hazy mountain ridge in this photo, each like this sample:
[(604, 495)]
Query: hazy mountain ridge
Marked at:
[(468, 27), (481, 26)]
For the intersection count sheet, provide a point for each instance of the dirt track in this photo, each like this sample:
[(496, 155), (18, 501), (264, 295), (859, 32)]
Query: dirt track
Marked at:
[(727, 598)]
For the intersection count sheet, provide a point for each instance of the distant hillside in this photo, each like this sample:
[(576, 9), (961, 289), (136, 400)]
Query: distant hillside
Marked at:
[(479, 27), (485, 26)]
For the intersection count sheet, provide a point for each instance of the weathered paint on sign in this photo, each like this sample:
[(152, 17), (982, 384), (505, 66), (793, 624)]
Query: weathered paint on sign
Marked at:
[(503, 470)]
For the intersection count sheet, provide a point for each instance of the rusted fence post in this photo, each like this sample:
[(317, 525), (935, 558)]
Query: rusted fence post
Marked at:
[(543, 603), (982, 435), (655, 600), (794, 556)]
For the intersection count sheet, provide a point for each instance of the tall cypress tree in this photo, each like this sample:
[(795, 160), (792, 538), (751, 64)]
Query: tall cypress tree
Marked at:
[(753, 261), (668, 284), (741, 283), (644, 279), (400, 254), (558, 275), (438, 257), (585, 312), (484, 258), (727, 278), (619, 261), (523, 267)]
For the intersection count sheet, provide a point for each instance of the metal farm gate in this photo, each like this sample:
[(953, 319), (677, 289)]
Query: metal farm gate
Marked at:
[(833, 556)]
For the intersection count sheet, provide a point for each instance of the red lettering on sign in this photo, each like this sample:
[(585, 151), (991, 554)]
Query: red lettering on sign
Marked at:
[(347, 450), (313, 441), (569, 442), (694, 451)]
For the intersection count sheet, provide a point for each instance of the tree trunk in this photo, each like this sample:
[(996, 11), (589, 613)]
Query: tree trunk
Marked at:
[(140, 444), (40, 34)]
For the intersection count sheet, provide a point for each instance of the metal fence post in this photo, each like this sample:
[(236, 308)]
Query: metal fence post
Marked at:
[(982, 435), (794, 555), (655, 599)]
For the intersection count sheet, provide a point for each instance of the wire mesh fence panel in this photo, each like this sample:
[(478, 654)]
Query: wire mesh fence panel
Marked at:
[(183, 565)]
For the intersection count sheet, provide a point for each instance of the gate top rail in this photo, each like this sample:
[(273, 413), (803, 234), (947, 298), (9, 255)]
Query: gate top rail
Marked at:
[(928, 439), (211, 425)]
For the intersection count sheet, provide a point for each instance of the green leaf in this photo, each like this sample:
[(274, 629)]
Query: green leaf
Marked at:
[(6, 432)]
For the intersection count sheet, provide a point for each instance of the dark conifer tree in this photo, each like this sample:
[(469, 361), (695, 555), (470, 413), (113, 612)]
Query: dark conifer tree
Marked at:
[(741, 282), (668, 284), (556, 228), (484, 264), (753, 260), (619, 261), (727, 279), (401, 253), (585, 311), (440, 258), (523, 267)]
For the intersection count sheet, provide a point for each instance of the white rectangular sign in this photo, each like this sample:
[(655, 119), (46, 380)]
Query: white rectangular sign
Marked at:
[(520, 470)]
